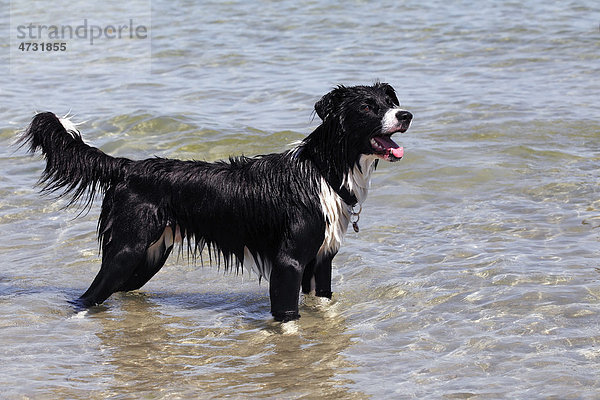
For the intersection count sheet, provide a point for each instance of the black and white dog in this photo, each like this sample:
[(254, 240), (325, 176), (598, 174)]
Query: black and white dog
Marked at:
[(282, 215)]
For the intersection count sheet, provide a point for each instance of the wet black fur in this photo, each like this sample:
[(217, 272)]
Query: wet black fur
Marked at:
[(269, 204)]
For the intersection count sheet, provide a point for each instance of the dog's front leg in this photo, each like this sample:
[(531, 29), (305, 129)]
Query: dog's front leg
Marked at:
[(284, 289), (317, 277)]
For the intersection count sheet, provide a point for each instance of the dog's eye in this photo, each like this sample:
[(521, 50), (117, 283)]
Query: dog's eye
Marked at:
[(369, 108)]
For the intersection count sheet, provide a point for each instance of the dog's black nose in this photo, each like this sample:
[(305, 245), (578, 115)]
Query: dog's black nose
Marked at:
[(402, 116)]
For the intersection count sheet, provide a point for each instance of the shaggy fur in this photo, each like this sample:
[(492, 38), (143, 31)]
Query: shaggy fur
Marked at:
[(282, 215)]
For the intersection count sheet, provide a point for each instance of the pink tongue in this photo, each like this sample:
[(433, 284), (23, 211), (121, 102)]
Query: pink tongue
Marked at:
[(398, 152), (390, 146)]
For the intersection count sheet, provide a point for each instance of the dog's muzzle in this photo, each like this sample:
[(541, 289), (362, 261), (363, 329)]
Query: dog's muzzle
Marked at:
[(394, 120)]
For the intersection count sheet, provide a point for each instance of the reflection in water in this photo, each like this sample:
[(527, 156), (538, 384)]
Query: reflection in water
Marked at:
[(198, 345)]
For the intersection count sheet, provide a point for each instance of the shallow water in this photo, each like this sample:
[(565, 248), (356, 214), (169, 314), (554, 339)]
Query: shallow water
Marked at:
[(475, 272)]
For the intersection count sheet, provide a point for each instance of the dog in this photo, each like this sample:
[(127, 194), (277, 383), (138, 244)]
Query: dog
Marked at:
[(281, 215)]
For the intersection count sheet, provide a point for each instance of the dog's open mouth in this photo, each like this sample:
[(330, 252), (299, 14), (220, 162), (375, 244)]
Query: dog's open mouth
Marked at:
[(386, 149)]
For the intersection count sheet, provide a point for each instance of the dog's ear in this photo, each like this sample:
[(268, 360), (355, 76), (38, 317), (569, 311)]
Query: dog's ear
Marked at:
[(327, 104), (390, 92)]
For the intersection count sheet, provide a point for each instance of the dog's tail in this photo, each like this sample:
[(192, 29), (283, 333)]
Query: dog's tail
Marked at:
[(77, 168)]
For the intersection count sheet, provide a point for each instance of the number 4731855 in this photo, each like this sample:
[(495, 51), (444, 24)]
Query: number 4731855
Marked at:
[(43, 46)]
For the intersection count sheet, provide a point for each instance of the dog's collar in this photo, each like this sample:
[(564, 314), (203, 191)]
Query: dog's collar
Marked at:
[(351, 201), (348, 197)]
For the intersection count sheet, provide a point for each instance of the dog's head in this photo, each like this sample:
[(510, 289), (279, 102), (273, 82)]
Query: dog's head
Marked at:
[(365, 118)]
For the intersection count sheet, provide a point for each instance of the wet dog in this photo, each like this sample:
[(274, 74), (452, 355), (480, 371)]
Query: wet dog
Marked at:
[(282, 215)]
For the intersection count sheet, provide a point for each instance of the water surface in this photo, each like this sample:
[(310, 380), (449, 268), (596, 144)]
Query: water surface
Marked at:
[(475, 272)]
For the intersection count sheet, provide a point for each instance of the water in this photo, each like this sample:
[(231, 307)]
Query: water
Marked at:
[(475, 272)]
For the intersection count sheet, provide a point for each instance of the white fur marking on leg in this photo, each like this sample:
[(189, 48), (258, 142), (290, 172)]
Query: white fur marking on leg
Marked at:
[(261, 267), (156, 250)]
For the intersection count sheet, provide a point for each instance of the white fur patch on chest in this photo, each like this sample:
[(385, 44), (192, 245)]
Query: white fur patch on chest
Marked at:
[(337, 213), (358, 179), (337, 216)]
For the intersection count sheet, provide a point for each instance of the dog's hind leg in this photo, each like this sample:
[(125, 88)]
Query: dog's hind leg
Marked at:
[(135, 246), (156, 256), (128, 268), (118, 266)]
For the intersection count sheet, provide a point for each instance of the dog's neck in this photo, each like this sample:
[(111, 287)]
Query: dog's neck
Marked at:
[(358, 179), (350, 179)]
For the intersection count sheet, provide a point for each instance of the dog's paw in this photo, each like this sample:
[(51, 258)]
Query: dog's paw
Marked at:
[(324, 293), (286, 316)]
